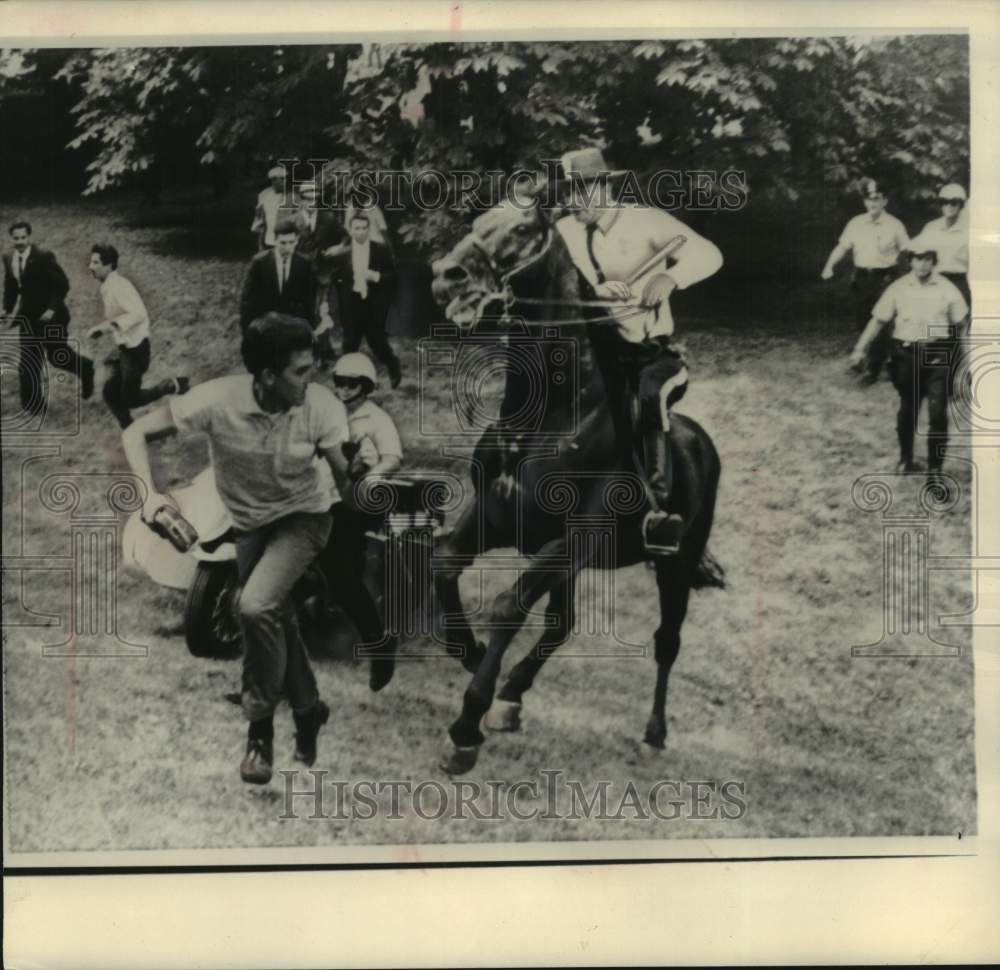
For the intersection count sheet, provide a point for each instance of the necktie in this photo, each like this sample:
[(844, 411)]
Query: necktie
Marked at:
[(20, 266), (284, 274), (591, 229)]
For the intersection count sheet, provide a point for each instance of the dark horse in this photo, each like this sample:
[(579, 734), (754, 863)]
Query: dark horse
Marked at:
[(556, 462)]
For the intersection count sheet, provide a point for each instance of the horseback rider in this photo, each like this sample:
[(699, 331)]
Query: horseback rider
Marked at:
[(614, 247)]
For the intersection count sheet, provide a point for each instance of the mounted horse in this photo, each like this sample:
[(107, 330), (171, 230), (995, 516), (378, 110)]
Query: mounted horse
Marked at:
[(558, 455)]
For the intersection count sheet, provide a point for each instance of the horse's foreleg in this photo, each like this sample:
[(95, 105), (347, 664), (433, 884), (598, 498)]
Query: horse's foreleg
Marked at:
[(509, 610), (674, 586), (451, 557), (560, 613)]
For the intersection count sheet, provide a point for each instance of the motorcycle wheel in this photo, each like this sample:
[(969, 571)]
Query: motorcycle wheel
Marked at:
[(211, 627)]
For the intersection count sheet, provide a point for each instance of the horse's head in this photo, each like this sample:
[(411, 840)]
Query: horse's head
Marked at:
[(474, 274)]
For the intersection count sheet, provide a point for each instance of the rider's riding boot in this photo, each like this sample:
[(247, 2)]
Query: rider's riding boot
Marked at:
[(661, 530)]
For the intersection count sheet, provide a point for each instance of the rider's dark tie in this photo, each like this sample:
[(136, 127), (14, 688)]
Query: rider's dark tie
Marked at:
[(591, 229)]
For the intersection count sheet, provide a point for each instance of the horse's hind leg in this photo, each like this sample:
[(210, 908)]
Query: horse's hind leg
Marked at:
[(451, 557), (673, 582), (505, 714)]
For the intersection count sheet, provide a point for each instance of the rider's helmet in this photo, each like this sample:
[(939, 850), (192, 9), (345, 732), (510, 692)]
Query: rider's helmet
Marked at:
[(356, 366), (953, 192)]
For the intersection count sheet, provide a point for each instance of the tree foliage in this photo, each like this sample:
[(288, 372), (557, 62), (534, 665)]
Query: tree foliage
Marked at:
[(793, 113)]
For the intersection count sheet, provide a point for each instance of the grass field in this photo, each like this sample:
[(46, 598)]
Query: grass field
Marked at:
[(140, 753)]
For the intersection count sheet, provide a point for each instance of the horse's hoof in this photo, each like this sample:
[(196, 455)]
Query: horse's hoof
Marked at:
[(504, 716), (380, 673), (457, 760), (474, 657)]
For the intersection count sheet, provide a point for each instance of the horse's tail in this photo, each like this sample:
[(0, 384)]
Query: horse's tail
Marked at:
[(708, 572)]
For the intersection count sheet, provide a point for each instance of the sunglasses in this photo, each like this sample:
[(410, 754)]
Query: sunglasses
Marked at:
[(951, 201), (348, 382)]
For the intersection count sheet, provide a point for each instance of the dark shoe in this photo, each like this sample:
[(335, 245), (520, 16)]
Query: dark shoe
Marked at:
[(306, 731), (662, 533), (87, 379), (255, 768), (909, 467)]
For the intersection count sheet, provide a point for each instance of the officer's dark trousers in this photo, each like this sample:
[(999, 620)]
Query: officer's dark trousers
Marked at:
[(922, 370), (362, 319)]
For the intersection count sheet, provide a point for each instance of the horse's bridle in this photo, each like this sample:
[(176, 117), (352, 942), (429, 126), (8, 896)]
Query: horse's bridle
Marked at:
[(506, 294)]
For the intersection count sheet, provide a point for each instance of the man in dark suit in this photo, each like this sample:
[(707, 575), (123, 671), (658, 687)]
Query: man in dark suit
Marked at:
[(319, 230), (364, 275), (35, 289), (280, 280)]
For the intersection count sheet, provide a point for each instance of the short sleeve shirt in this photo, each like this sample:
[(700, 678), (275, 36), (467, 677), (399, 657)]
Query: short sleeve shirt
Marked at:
[(921, 311), (266, 465), (875, 243), (951, 244), (375, 433)]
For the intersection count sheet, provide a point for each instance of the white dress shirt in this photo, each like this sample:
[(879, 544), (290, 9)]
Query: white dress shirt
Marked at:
[(124, 310), (360, 260), (626, 237)]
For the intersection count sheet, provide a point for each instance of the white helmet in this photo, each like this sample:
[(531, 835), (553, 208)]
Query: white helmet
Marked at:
[(355, 365), (952, 191)]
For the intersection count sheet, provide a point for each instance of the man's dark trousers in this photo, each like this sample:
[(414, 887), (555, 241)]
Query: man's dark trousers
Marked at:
[(366, 319), (123, 390), (918, 370)]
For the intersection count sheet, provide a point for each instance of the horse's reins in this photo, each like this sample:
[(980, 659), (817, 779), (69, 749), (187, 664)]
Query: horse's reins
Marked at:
[(626, 310)]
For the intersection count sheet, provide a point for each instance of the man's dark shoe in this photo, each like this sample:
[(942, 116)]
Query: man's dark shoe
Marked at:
[(662, 532), (255, 768), (306, 731), (380, 672), (87, 379), (907, 466)]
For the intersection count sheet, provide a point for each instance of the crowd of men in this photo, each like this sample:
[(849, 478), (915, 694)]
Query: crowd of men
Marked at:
[(288, 451)]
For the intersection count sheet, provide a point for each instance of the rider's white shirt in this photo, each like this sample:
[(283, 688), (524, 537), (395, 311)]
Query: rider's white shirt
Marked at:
[(626, 237)]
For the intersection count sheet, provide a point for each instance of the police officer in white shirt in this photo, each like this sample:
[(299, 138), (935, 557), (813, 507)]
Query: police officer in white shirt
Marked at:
[(612, 246), (126, 319), (930, 317), (268, 203), (875, 241), (949, 235)]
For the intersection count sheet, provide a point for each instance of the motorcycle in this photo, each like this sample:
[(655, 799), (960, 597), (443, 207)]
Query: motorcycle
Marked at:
[(406, 513)]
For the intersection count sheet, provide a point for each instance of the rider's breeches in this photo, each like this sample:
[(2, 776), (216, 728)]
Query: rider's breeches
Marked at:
[(270, 561), (662, 382)]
